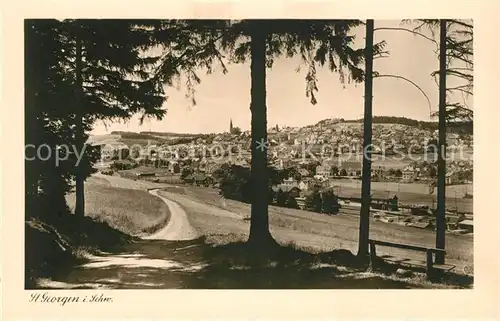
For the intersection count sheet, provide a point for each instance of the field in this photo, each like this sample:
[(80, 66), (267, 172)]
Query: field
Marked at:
[(227, 221), (104, 138), (143, 169), (141, 139), (462, 205), (416, 188), (409, 193), (128, 210), (128, 139)]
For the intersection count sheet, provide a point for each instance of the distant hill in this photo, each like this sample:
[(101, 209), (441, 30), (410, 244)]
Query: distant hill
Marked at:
[(145, 138), (133, 135), (463, 127), (167, 134)]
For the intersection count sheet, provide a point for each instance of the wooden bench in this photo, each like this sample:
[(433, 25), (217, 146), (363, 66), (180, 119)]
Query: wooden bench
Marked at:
[(428, 264)]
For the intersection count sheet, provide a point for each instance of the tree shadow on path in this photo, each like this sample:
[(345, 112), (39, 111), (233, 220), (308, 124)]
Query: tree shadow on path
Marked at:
[(147, 264)]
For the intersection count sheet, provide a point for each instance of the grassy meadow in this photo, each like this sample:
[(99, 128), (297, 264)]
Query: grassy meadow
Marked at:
[(128, 210), (227, 221)]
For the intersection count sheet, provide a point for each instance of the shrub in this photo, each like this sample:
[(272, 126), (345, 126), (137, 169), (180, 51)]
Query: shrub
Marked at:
[(313, 201), (330, 203), (292, 202), (122, 165)]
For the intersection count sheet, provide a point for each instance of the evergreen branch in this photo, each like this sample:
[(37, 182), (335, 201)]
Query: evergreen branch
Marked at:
[(407, 30)]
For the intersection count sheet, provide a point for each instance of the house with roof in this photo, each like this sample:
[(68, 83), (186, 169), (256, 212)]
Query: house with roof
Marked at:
[(304, 185), (467, 225), (303, 172), (409, 174), (293, 191), (290, 182), (324, 170), (174, 167)]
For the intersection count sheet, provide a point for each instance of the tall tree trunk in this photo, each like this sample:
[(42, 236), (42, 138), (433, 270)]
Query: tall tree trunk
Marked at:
[(259, 222), (79, 177), (441, 172), (364, 217)]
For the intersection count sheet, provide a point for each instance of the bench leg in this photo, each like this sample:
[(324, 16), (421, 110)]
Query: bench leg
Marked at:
[(373, 254), (430, 263)]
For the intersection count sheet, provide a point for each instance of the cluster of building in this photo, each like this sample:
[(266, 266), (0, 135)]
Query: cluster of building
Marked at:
[(322, 144)]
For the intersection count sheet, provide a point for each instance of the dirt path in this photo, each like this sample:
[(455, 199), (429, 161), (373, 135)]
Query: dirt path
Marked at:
[(177, 228)]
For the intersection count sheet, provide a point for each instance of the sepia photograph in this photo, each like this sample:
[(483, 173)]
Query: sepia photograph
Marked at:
[(248, 154)]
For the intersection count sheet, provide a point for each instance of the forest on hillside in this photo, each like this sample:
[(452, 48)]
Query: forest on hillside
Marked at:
[(457, 126)]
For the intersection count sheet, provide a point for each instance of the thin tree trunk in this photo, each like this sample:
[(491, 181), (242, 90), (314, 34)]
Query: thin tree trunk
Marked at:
[(259, 222), (364, 217), (441, 181), (79, 177)]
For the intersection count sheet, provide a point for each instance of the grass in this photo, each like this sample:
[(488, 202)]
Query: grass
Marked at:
[(198, 264), (316, 250), (131, 211), (309, 231), (290, 266), (54, 243)]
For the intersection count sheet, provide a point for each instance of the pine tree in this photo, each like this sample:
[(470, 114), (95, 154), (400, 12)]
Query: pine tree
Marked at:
[(48, 120), (364, 216), (262, 41), (441, 166), (79, 72), (456, 61), (459, 65), (315, 41)]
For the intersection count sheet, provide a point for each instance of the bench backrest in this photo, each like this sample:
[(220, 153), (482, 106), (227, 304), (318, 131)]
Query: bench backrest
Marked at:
[(407, 246)]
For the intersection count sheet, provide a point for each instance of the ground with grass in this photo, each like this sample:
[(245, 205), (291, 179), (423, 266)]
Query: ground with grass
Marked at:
[(197, 265), (226, 221), (56, 243), (131, 211), (114, 214), (315, 252)]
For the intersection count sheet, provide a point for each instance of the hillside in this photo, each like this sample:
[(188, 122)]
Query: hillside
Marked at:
[(453, 127), (328, 131)]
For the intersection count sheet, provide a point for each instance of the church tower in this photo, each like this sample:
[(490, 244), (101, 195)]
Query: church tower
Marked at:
[(230, 125)]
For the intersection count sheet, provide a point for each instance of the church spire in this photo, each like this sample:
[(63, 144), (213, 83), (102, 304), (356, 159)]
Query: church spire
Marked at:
[(230, 125)]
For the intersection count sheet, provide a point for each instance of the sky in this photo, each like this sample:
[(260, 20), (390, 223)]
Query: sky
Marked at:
[(224, 97)]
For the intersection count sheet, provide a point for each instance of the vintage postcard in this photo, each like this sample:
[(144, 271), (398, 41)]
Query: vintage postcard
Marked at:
[(247, 146)]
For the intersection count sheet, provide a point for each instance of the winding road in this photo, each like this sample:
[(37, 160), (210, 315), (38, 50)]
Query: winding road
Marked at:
[(177, 228)]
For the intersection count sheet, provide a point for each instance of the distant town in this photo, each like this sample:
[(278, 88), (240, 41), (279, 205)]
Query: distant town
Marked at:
[(326, 155)]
